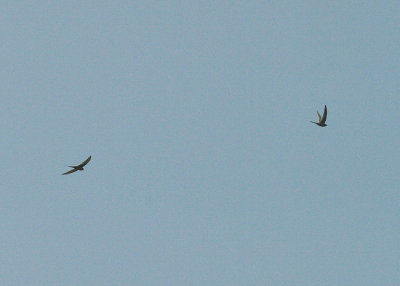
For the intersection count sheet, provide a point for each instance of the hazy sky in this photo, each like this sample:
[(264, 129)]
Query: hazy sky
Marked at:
[(205, 168)]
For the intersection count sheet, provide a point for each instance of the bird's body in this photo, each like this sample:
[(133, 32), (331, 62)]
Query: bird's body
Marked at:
[(78, 167), (322, 119)]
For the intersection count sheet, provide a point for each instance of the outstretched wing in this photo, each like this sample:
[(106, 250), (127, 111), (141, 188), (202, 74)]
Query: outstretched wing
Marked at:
[(324, 116), (71, 171), (319, 117), (85, 162)]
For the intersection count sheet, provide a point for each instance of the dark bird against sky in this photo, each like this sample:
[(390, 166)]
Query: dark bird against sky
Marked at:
[(323, 119), (78, 167)]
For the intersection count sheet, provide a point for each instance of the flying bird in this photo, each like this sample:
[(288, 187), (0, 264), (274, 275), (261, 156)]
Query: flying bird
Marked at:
[(322, 119), (78, 167)]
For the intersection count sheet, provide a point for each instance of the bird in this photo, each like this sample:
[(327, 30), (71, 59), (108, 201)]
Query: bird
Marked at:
[(323, 119), (78, 167)]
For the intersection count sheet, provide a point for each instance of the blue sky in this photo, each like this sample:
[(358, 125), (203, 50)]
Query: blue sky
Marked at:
[(205, 168)]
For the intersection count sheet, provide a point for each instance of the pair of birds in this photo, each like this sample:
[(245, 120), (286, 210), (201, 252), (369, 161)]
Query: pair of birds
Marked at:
[(79, 167)]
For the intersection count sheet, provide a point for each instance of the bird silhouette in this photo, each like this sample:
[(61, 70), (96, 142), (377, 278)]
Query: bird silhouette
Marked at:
[(78, 167), (323, 119)]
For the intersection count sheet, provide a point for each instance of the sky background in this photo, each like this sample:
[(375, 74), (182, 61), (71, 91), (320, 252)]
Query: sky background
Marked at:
[(205, 168)]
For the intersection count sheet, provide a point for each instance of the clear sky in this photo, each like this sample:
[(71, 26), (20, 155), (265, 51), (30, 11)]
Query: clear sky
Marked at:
[(205, 168)]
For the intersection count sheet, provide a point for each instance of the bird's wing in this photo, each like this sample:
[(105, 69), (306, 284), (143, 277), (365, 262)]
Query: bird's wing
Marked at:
[(71, 171), (319, 116), (85, 162), (325, 114)]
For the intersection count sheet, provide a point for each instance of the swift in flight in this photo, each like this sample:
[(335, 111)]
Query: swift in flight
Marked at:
[(322, 119), (78, 167)]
